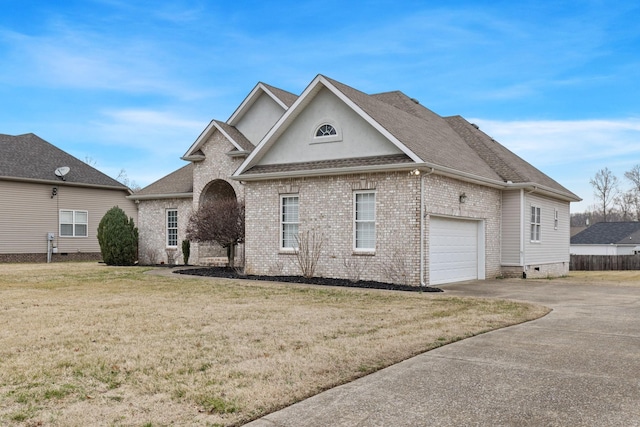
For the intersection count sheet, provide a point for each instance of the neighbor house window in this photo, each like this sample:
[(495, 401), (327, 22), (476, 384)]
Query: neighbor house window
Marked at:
[(365, 221), (535, 224), (73, 223), (289, 221), (172, 227)]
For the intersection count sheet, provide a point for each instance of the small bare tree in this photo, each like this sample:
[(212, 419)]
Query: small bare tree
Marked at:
[(355, 267), (219, 221), (308, 251), (605, 188), (396, 269)]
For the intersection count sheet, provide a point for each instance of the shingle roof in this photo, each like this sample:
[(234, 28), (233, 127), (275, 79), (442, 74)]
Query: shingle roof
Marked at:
[(30, 157), (177, 182), (287, 98), (421, 130), (237, 136), (505, 163), (606, 233), (331, 164)]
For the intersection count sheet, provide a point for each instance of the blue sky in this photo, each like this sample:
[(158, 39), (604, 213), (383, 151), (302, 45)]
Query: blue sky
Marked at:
[(131, 84)]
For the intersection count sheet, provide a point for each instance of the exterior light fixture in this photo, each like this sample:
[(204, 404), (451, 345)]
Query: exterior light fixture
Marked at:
[(415, 172), (463, 198), (54, 192)]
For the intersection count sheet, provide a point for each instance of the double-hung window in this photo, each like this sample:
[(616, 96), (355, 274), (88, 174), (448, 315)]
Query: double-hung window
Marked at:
[(74, 223), (535, 224), (289, 221), (172, 227), (364, 238)]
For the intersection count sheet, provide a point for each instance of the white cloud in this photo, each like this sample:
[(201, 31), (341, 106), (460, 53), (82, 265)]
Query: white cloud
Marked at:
[(571, 151)]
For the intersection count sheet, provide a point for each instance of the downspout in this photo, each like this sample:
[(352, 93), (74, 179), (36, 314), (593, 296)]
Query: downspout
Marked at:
[(422, 284)]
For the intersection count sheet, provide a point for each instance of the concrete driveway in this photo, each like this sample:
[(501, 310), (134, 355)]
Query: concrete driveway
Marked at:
[(577, 366)]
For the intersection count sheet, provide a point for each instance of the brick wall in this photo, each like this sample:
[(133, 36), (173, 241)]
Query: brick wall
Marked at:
[(151, 213), (326, 205), (152, 244), (442, 197), (60, 257)]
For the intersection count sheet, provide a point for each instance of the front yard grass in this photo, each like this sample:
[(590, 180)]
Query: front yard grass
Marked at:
[(86, 344)]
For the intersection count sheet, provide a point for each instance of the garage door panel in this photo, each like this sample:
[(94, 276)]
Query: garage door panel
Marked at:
[(453, 250)]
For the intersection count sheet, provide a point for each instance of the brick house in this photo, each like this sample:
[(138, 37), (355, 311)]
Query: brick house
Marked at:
[(52, 202), (394, 191)]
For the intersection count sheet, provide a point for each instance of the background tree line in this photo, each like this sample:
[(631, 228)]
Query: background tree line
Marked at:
[(611, 202)]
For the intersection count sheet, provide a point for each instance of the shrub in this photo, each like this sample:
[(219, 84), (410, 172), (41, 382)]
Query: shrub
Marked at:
[(186, 251), (118, 238)]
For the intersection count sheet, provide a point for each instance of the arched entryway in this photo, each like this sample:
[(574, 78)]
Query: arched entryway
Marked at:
[(217, 189)]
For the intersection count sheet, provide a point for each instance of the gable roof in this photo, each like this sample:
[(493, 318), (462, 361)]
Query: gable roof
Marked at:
[(607, 233), (281, 97), (176, 185), (30, 158), (448, 146), (240, 142)]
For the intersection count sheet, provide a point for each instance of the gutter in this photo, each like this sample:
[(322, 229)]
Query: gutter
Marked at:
[(422, 266), (65, 183), (160, 196)]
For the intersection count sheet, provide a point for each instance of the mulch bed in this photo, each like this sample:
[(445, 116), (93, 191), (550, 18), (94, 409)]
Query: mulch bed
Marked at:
[(229, 273)]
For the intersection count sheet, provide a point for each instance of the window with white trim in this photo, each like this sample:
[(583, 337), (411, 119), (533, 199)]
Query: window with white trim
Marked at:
[(172, 228), (74, 223), (364, 215), (289, 221), (535, 223), (326, 130)]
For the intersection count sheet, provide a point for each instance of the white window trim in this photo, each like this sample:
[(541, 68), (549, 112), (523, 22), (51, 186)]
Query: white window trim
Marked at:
[(282, 222), (355, 228), (73, 223), (167, 228), (533, 223), (325, 139)]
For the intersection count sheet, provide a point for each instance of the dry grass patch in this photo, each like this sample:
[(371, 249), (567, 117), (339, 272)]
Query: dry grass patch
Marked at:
[(88, 344), (608, 278)]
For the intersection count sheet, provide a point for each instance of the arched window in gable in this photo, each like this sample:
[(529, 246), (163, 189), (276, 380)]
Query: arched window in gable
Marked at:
[(325, 130)]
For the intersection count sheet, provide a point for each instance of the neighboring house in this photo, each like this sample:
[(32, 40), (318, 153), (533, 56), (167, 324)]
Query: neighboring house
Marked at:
[(48, 215), (394, 191), (607, 238)]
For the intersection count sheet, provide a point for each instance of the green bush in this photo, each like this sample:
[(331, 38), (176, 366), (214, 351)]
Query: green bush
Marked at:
[(118, 238), (186, 251)]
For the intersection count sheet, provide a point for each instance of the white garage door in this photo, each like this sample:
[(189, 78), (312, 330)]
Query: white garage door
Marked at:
[(453, 250)]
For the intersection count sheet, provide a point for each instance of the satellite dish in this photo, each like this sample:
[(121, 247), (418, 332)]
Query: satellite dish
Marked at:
[(62, 171)]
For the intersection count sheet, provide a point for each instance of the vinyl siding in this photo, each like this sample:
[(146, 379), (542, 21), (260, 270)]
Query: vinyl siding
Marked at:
[(511, 228), (28, 213), (554, 244)]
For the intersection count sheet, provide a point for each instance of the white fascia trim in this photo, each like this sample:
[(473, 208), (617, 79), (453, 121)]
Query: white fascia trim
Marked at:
[(63, 183), (204, 135), (226, 135), (283, 119), (161, 196), (370, 120), (532, 187), (310, 91), (250, 100)]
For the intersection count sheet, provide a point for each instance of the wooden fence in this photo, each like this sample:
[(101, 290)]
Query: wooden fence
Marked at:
[(604, 262)]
